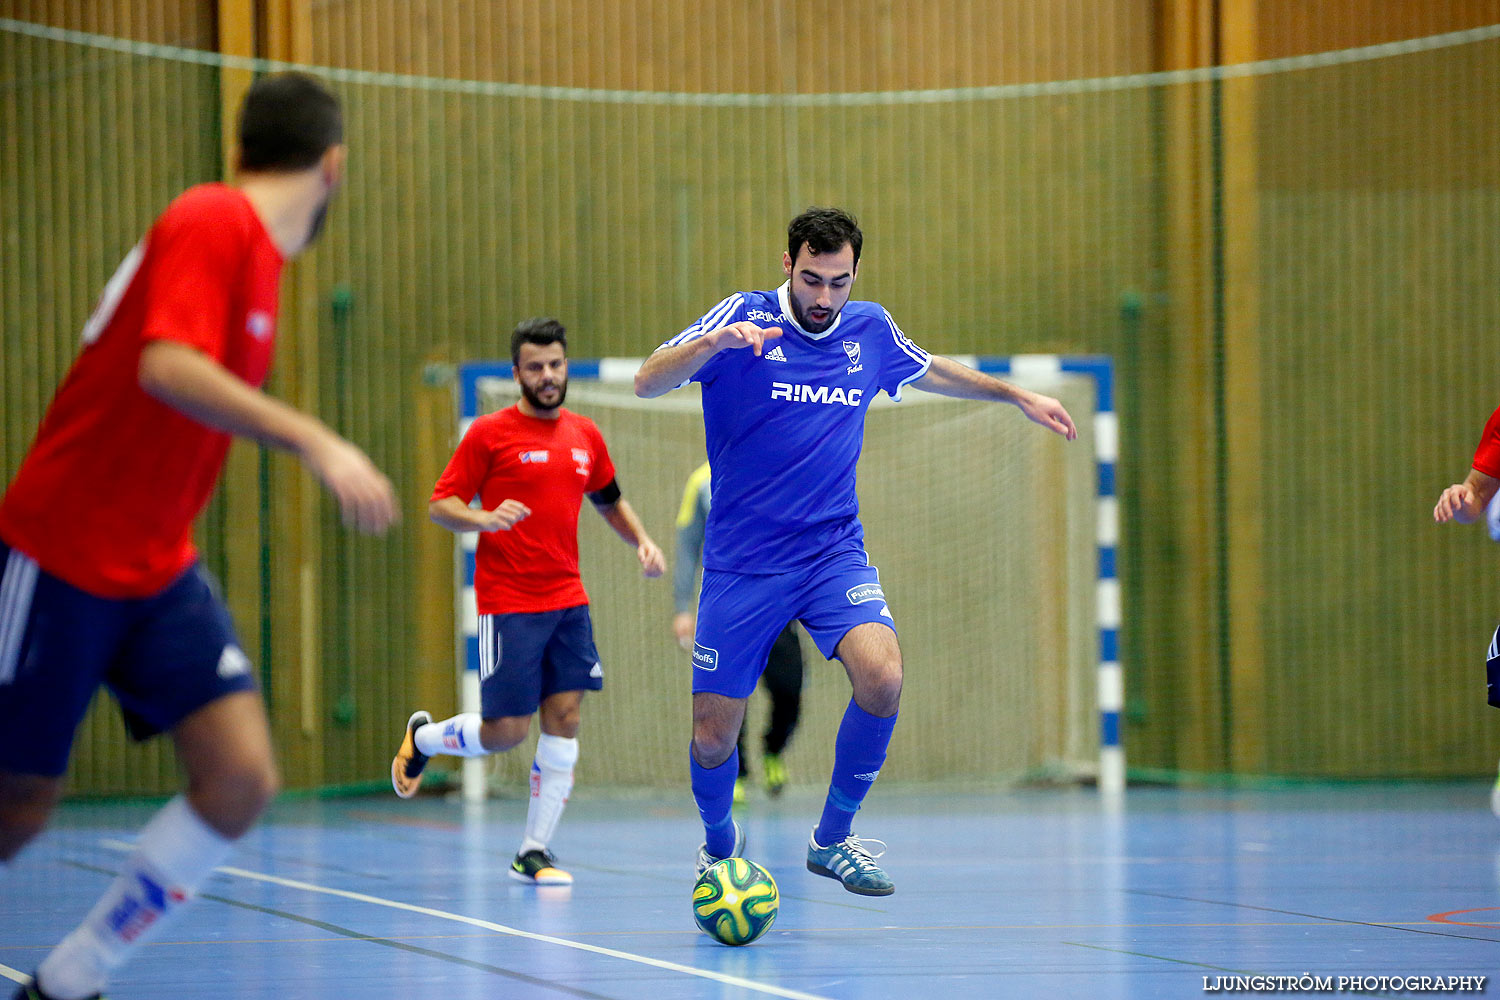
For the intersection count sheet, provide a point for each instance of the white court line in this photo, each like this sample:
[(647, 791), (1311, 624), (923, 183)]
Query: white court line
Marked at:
[(15, 975), (361, 897)]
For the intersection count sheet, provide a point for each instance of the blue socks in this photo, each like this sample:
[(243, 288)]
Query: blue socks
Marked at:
[(858, 753), (713, 787)]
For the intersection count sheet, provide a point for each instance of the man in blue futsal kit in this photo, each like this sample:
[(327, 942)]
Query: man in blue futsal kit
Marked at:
[(784, 422)]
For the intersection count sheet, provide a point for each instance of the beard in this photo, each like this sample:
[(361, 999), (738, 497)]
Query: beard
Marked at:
[(807, 324), (534, 399)]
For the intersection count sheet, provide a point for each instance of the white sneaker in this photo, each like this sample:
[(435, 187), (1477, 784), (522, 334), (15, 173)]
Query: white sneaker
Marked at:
[(706, 860)]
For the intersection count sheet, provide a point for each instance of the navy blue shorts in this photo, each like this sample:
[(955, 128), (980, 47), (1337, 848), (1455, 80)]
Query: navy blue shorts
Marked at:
[(162, 657), (526, 657), (741, 614)]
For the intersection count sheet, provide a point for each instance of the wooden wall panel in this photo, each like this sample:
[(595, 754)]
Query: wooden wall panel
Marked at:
[(1296, 27), (189, 23), (760, 46)]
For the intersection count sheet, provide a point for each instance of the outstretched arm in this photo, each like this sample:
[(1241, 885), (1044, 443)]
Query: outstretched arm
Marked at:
[(196, 385), (621, 516), (1465, 502), (947, 377), (669, 367)]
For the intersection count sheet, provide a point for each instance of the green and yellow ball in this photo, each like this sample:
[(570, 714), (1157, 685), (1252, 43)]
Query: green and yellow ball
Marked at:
[(735, 901)]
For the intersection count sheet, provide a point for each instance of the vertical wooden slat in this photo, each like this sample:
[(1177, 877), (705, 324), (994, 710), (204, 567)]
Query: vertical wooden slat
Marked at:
[(1190, 693), (1247, 473)]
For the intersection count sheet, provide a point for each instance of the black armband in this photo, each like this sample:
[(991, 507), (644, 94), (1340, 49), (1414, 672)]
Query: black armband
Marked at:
[(608, 496)]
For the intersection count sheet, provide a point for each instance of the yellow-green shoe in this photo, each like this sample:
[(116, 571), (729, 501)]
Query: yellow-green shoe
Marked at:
[(538, 868), (775, 773)]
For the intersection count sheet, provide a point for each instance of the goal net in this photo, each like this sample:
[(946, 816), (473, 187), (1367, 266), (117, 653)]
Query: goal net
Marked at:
[(983, 527)]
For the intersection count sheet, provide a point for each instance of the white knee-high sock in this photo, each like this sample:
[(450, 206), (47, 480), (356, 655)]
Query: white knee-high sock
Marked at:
[(456, 737), (174, 854), (551, 783)]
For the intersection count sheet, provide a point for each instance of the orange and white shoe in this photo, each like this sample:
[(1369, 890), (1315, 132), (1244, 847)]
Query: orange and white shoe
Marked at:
[(406, 769)]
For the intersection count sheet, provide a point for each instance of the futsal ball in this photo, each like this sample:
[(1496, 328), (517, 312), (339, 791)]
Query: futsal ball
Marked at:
[(735, 901)]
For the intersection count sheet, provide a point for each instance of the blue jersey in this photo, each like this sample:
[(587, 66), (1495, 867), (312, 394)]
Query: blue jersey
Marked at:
[(784, 430)]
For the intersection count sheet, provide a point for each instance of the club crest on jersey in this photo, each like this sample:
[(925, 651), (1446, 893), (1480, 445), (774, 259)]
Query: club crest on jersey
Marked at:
[(540, 455), (865, 592), (582, 459), (851, 348)]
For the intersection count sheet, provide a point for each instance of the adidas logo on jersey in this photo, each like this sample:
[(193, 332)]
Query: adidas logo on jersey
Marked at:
[(776, 354)]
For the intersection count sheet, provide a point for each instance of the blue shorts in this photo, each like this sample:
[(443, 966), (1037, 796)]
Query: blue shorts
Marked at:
[(163, 658), (526, 657), (741, 614)]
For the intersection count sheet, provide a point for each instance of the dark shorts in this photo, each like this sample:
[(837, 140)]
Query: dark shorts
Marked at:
[(162, 657), (740, 616), (525, 658)]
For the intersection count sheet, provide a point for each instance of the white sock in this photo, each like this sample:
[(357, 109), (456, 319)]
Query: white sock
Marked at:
[(551, 783), (175, 852), (456, 737)]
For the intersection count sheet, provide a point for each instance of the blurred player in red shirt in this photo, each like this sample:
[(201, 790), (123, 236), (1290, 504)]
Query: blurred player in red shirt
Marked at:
[(530, 466), (101, 583)]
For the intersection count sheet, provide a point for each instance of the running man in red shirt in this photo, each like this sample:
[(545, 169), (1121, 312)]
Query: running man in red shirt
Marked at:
[(109, 591), (530, 465)]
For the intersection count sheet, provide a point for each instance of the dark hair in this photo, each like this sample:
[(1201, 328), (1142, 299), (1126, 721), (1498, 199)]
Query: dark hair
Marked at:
[(540, 330), (287, 122), (824, 230)]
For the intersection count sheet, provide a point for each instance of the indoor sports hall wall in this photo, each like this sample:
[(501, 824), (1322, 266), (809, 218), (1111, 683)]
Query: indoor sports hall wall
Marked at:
[(1292, 265)]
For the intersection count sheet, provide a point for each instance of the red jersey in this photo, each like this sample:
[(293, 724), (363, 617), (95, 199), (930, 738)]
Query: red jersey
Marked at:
[(106, 497), (1487, 455), (548, 465)]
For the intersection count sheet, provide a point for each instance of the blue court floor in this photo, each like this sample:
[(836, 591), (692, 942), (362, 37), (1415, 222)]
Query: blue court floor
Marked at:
[(1034, 893)]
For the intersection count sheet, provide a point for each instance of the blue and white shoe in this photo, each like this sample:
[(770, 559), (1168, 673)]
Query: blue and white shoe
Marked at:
[(705, 860), (851, 862)]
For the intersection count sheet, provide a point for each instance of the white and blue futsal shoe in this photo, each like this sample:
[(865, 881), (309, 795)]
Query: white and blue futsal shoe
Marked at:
[(851, 862)]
